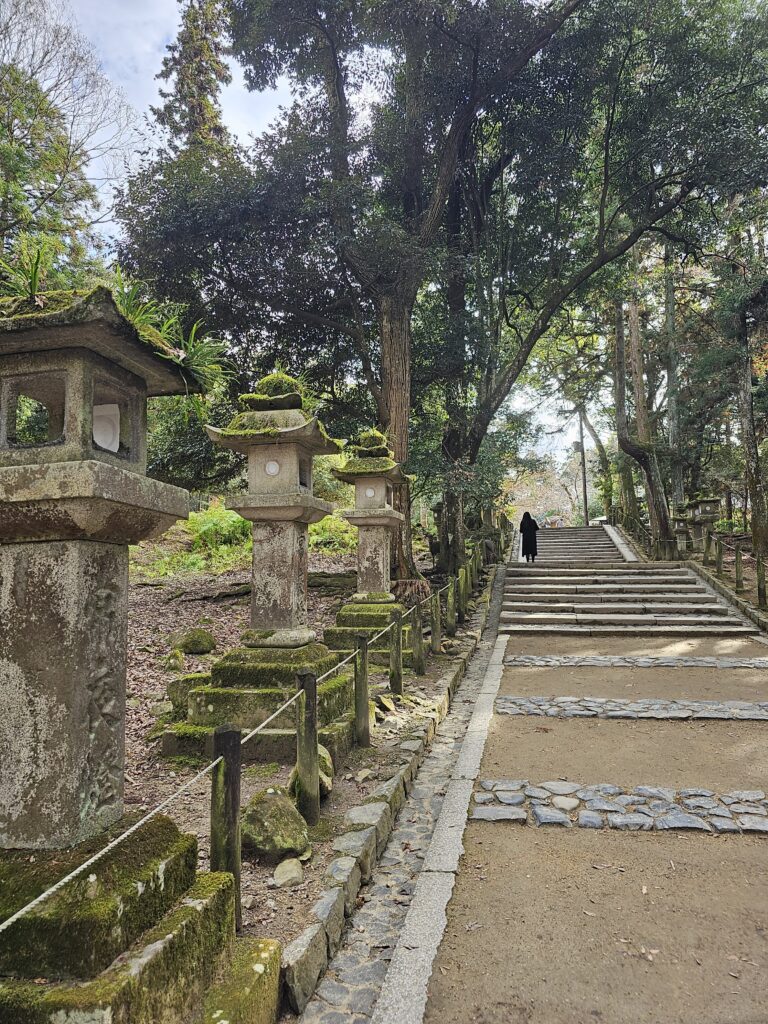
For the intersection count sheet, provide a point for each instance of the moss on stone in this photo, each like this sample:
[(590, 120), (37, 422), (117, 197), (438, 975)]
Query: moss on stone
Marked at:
[(194, 641), (268, 403), (368, 466), (163, 978), (178, 690), (247, 708), (272, 828), (368, 614), (80, 930), (254, 668), (249, 992), (279, 383)]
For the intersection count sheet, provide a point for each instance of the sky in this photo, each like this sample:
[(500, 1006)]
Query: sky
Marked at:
[(130, 37)]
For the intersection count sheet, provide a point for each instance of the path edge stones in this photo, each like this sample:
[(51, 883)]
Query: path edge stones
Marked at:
[(403, 996), (306, 959)]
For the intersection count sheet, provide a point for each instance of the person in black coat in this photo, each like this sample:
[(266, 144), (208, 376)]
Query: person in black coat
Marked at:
[(528, 529)]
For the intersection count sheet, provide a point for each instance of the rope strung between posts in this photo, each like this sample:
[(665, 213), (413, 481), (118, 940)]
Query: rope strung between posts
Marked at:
[(107, 849), (58, 886)]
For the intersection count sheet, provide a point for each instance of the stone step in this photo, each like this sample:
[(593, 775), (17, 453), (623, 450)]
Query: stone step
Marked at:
[(556, 618), (627, 630), (162, 978), (599, 597), (637, 589), (128, 891), (670, 608), (249, 992), (628, 569)]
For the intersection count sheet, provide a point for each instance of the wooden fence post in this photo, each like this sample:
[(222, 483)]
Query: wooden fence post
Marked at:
[(761, 596), (435, 624), (396, 654), (308, 782), (718, 556), (707, 545), (362, 708), (450, 607), (739, 569), (225, 808), (417, 641)]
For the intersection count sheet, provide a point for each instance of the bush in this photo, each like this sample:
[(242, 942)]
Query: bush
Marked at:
[(217, 527), (332, 535)]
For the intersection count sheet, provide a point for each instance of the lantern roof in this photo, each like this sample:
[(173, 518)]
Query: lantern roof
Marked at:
[(275, 414), (370, 456), (92, 320)]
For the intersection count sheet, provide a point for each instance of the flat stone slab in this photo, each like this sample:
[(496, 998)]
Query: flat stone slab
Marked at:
[(612, 707), (627, 661), (644, 808)]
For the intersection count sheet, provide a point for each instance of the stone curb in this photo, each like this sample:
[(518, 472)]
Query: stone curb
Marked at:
[(306, 959), (747, 609)]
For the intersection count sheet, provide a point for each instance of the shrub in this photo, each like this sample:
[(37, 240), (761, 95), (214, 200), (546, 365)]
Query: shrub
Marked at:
[(332, 535)]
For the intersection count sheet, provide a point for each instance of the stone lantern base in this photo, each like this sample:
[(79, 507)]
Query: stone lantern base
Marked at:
[(143, 938), (246, 687), (367, 615)]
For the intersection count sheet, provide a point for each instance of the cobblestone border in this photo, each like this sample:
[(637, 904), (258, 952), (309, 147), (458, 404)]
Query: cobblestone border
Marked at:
[(305, 960), (642, 809), (611, 707), (619, 661)]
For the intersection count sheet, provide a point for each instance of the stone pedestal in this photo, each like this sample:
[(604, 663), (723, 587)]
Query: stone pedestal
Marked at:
[(63, 608)]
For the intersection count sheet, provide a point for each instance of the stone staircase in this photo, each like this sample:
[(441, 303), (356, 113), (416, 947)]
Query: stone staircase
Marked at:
[(588, 545), (581, 585)]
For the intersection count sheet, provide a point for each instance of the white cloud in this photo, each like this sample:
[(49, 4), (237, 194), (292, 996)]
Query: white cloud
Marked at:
[(130, 40)]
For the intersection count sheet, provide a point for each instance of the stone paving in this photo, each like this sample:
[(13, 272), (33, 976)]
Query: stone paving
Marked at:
[(349, 991), (604, 805), (612, 707), (619, 661)]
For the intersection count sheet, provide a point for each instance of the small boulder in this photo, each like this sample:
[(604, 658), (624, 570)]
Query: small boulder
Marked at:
[(289, 874), (272, 828), (174, 660), (194, 641), (325, 765)]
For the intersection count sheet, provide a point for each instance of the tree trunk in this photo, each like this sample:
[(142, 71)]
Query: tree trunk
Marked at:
[(606, 476), (673, 383), (755, 490), (395, 311), (657, 505)]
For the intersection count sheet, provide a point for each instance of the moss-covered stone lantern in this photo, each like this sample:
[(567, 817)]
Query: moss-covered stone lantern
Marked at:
[(373, 471), (74, 380), (280, 439)]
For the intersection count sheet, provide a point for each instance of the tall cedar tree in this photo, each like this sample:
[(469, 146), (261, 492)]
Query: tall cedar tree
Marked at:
[(195, 65)]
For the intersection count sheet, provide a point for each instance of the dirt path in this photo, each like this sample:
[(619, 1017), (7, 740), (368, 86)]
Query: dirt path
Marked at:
[(561, 924)]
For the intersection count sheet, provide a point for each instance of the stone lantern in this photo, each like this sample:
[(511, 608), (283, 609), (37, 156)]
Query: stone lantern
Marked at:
[(374, 473), (280, 440), (680, 524), (74, 380), (705, 512)]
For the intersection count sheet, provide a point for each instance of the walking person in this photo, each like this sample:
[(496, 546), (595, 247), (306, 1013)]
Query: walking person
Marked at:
[(528, 530)]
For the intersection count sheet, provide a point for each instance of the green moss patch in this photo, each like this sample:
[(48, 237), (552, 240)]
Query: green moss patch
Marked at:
[(163, 978), (266, 667), (358, 614), (79, 931), (194, 641), (249, 992), (246, 708), (178, 690)]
